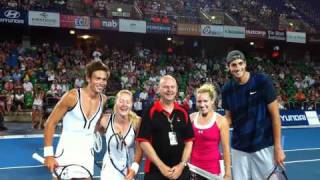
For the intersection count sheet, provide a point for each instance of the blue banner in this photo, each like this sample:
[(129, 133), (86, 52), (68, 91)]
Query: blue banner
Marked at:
[(11, 16), (293, 117), (159, 28)]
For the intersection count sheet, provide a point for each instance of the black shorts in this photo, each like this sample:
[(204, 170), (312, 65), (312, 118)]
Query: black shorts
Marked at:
[(158, 176)]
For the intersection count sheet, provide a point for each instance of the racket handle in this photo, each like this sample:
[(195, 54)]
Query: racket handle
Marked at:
[(37, 157)]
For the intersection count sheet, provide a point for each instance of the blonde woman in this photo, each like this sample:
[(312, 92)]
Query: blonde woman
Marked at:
[(210, 129), (121, 128)]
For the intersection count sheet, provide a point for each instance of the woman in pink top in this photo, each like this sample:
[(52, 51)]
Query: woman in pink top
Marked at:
[(210, 129)]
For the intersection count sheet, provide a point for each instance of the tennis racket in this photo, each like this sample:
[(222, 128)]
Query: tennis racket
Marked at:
[(67, 171), (202, 173), (118, 153), (99, 148), (278, 173)]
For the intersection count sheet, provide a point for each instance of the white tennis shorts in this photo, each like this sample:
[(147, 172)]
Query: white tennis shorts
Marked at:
[(257, 165)]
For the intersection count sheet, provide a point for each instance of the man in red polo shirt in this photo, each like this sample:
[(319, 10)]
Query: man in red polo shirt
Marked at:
[(166, 135)]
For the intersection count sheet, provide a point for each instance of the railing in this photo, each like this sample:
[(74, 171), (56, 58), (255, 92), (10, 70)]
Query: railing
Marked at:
[(302, 105)]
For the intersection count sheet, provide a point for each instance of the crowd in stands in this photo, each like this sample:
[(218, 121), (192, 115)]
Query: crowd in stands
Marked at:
[(54, 70), (250, 13)]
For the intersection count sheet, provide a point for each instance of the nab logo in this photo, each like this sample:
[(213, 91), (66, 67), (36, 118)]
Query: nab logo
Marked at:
[(44, 15), (12, 14)]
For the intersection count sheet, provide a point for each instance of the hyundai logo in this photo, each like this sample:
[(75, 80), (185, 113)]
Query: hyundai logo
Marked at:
[(12, 14)]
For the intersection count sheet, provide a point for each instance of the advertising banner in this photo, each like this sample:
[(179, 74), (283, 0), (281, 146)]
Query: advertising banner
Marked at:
[(11, 16), (314, 38), (46, 19), (255, 34), (294, 117), (212, 30), (276, 35), (159, 28), (234, 32), (134, 26), (296, 37), (78, 22), (107, 24), (188, 29)]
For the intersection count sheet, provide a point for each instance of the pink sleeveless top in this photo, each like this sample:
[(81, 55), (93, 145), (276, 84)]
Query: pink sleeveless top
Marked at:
[(205, 152)]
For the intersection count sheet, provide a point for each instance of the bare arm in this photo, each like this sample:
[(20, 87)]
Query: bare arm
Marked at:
[(68, 100), (138, 150), (225, 135), (137, 156), (228, 116), (187, 151), (276, 123), (178, 169), (152, 155)]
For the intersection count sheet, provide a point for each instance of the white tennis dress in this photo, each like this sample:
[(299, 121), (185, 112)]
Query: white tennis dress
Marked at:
[(108, 171), (76, 141)]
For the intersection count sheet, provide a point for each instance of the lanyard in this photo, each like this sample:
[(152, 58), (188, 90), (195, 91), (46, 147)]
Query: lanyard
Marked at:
[(170, 122)]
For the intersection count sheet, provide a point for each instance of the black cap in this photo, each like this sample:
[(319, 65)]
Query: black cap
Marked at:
[(234, 55)]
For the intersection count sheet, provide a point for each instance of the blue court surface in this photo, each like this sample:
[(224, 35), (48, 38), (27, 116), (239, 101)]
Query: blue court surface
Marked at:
[(302, 146)]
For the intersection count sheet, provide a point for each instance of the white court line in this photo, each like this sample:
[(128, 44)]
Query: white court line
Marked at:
[(305, 149), (25, 136), (302, 161), (21, 167)]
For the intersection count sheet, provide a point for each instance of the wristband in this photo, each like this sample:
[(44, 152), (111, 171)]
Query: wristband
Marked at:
[(185, 164), (135, 167), (48, 151)]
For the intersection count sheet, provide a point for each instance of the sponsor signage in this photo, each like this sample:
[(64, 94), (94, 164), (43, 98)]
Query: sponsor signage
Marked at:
[(256, 34), (47, 19), (293, 117), (296, 37), (78, 22), (276, 35), (134, 26), (107, 24), (312, 117), (120, 14), (234, 32), (158, 28), (189, 29), (11, 16), (314, 38), (212, 30)]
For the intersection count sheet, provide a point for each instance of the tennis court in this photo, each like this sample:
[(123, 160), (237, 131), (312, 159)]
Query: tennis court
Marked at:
[(302, 148)]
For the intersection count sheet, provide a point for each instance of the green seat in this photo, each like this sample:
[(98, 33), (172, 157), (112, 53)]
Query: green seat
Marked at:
[(28, 99), (111, 101)]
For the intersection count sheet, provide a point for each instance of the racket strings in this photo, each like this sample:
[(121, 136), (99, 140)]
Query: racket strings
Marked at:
[(73, 171), (121, 148), (97, 142)]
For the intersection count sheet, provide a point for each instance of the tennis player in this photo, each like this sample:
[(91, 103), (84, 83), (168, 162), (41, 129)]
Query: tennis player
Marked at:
[(121, 128), (250, 104), (210, 130), (79, 110)]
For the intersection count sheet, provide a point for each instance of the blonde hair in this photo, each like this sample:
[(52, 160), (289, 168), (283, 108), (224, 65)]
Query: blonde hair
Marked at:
[(208, 88), (133, 117)]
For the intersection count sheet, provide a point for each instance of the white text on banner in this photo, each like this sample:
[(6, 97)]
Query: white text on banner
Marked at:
[(134, 26)]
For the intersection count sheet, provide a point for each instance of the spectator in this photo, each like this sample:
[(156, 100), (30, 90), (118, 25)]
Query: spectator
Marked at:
[(19, 99)]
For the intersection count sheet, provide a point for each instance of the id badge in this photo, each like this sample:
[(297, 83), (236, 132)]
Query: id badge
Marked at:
[(173, 138)]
